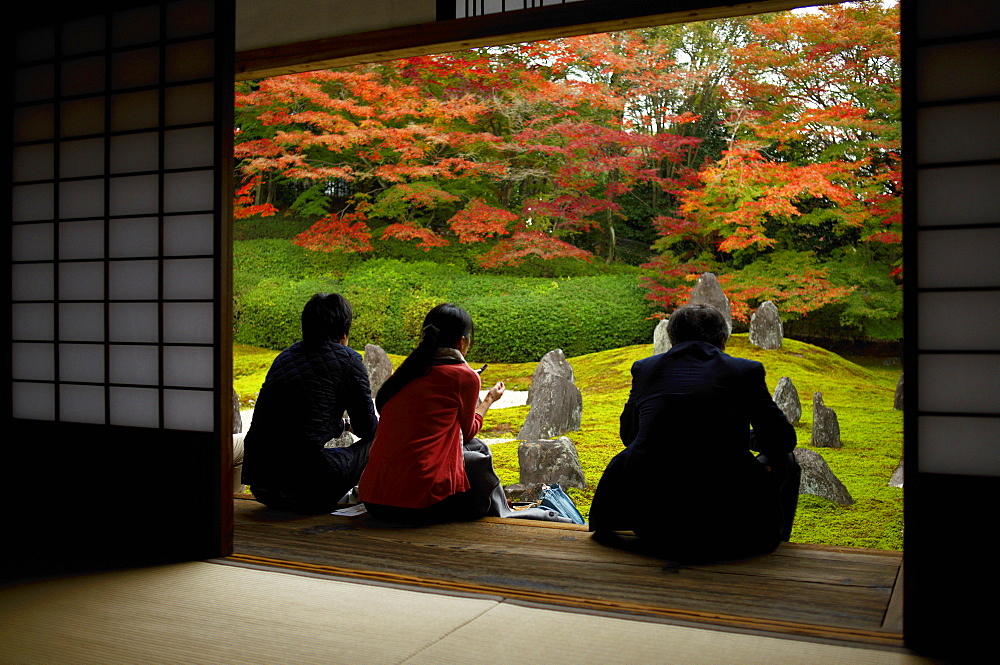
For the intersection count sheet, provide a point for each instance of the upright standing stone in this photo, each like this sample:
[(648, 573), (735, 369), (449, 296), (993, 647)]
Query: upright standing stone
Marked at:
[(896, 480), (708, 291), (548, 462), (897, 399), (661, 340), (556, 402), (237, 419), (818, 479), (787, 399), (378, 365), (766, 330), (826, 428)]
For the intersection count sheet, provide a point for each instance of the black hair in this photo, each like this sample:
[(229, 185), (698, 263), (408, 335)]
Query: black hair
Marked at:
[(698, 323), (444, 326), (326, 317)]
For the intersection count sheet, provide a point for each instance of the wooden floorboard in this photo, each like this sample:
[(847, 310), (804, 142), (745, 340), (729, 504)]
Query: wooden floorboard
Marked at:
[(838, 593)]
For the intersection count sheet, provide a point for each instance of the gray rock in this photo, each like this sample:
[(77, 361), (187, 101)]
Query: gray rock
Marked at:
[(818, 479), (550, 461), (378, 365), (552, 364), (897, 400), (897, 476), (519, 492), (237, 419), (787, 399), (708, 291), (826, 428), (766, 330), (661, 341), (556, 402)]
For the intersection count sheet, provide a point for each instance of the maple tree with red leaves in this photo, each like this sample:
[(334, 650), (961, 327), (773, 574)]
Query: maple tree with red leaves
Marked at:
[(766, 150), (803, 207)]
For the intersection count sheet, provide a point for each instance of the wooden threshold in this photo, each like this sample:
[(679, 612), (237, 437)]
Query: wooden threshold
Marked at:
[(816, 592)]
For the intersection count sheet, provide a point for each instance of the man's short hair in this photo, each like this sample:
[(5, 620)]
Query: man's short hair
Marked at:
[(326, 317), (698, 323)]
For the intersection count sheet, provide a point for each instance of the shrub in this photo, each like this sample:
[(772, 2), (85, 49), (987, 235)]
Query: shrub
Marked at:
[(269, 315)]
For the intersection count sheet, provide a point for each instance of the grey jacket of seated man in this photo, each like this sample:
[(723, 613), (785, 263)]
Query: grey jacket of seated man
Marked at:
[(688, 483)]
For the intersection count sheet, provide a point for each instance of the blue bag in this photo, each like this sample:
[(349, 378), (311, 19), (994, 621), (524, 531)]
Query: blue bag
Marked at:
[(555, 498)]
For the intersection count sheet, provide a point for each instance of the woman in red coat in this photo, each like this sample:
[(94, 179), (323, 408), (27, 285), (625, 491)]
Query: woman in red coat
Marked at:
[(429, 413)]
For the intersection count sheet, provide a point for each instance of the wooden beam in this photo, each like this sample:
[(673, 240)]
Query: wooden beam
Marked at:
[(511, 27)]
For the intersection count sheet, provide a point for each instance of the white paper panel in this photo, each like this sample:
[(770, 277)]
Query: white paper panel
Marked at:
[(189, 148), (81, 362), (136, 26), (32, 203), (32, 281), (81, 322), (965, 446), (137, 236), (81, 281), (135, 195), (959, 133), (32, 84), (189, 104), (959, 195), (82, 116), (81, 158), (134, 322), (947, 18), (81, 404), (34, 123), (132, 153), (33, 361), (135, 407), (133, 280), (31, 242), (135, 110), (188, 410), (188, 366), (959, 258), (81, 240), (188, 279), (188, 234), (938, 65), (190, 60), (84, 35), (82, 77), (959, 383), (186, 19), (34, 401), (36, 44), (33, 162), (135, 69), (190, 191), (81, 198), (33, 321), (134, 364), (188, 323), (959, 321)]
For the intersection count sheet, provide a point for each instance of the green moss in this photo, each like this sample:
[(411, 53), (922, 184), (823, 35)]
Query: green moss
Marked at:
[(871, 431)]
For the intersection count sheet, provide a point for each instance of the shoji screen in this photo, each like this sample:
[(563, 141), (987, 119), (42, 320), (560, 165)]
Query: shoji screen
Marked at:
[(119, 279), (952, 52)]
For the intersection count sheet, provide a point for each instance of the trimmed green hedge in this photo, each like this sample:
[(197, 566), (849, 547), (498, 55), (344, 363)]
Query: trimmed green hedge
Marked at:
[(517, 319)]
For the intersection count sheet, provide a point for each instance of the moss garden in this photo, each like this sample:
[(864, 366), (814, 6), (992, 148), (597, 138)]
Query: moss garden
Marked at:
[(871, 430)]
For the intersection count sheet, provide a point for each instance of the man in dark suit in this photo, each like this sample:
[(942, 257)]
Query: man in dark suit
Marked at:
[(687, 483)]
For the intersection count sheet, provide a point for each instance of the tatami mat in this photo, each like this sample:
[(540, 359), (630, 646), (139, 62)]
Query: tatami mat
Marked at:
[(203, 612)]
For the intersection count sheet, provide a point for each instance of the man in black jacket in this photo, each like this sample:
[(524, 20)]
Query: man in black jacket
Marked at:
[(307, 389), (687, 483)]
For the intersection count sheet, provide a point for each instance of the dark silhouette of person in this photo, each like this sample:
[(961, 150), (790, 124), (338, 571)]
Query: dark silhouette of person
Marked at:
[(300, 408), (688, 484)]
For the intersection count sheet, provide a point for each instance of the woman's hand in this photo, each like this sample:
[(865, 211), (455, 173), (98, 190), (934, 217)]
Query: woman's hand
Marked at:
[(495, 393)]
